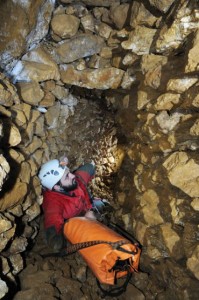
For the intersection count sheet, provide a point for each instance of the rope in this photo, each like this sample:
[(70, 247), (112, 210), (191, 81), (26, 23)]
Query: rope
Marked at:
[(78, 246)]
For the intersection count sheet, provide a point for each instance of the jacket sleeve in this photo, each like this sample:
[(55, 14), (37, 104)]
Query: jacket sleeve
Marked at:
[(86, 172), (53, 221)]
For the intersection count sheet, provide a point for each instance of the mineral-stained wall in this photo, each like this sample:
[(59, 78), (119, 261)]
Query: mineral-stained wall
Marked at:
[(65, 65)]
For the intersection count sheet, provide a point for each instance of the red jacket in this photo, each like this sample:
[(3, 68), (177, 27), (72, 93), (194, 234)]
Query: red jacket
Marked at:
[(58, 207)]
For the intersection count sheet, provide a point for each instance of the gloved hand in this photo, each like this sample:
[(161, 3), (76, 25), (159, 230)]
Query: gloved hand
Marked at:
[(101, 205)]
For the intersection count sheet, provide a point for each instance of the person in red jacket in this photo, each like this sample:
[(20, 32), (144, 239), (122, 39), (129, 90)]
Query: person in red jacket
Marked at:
[(65, 195)]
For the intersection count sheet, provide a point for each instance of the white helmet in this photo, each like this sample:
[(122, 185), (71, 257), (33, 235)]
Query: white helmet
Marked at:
[(51, 172)]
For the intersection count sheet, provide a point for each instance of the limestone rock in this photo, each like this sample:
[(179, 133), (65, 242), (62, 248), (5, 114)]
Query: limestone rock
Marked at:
[(14, 196), (25, 108), (3, 288), (18, 245), (25, 172), (151, 61), (141, 16), (121, 198), (193, 56), (189, 238), (48, 100), (17, 263), (118, 15), (98, 62), (34, 279), (8, 94), (6, 236), (195, 204), (180, 85), (170, 237), (171, 37), (167, 101), (6, 113), (143, 99), (79, 10), (83, 45), (37, 187), (193, 263), (140, 40), (195, 102), (44, 290), (88, 22), (133, 293), (152, 66), (153, 77), (149, 203), (16, 211), (129, 59), (104, 30), (140, 231), (113, 40), (194, 130), (5, 97), (127, 80), (52, 115), (19, 116), (16, 155), (168, 122), (4, 170), (35, 144), (163, 6), (41, 28), (34, 71), (32, 212), (81, 274), (29, 200), (4, 265), (5, 224), (108, 78), (65, 112), (69, 287), (60, 92), (65, 26), (14, 36), (14, 138), (183, 172), (31, 92), (105, 3), (36, 65), (39, 126), (176, 213)]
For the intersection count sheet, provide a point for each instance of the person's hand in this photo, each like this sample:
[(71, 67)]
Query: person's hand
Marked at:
[(63, 161), (92, 162), (90, 215), (101, 205)]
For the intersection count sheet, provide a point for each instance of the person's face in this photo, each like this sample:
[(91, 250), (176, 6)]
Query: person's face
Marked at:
[(68, 182)]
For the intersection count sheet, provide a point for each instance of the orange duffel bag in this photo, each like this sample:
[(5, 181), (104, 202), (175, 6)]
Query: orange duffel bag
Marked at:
[(111, 256)]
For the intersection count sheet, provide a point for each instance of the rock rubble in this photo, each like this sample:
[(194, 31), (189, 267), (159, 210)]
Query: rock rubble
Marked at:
[(113, 81)]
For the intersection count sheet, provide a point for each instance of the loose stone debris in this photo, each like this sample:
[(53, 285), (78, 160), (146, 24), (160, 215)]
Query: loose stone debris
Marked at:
[(116, 82)]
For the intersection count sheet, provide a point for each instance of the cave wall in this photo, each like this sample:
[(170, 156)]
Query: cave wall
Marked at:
[(63, 65)]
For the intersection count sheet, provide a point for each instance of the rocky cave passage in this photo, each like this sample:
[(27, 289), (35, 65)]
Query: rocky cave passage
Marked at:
[(115, 81)]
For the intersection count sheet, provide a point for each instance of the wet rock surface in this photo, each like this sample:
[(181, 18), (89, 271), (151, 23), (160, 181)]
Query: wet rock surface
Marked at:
[(119, 85)]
